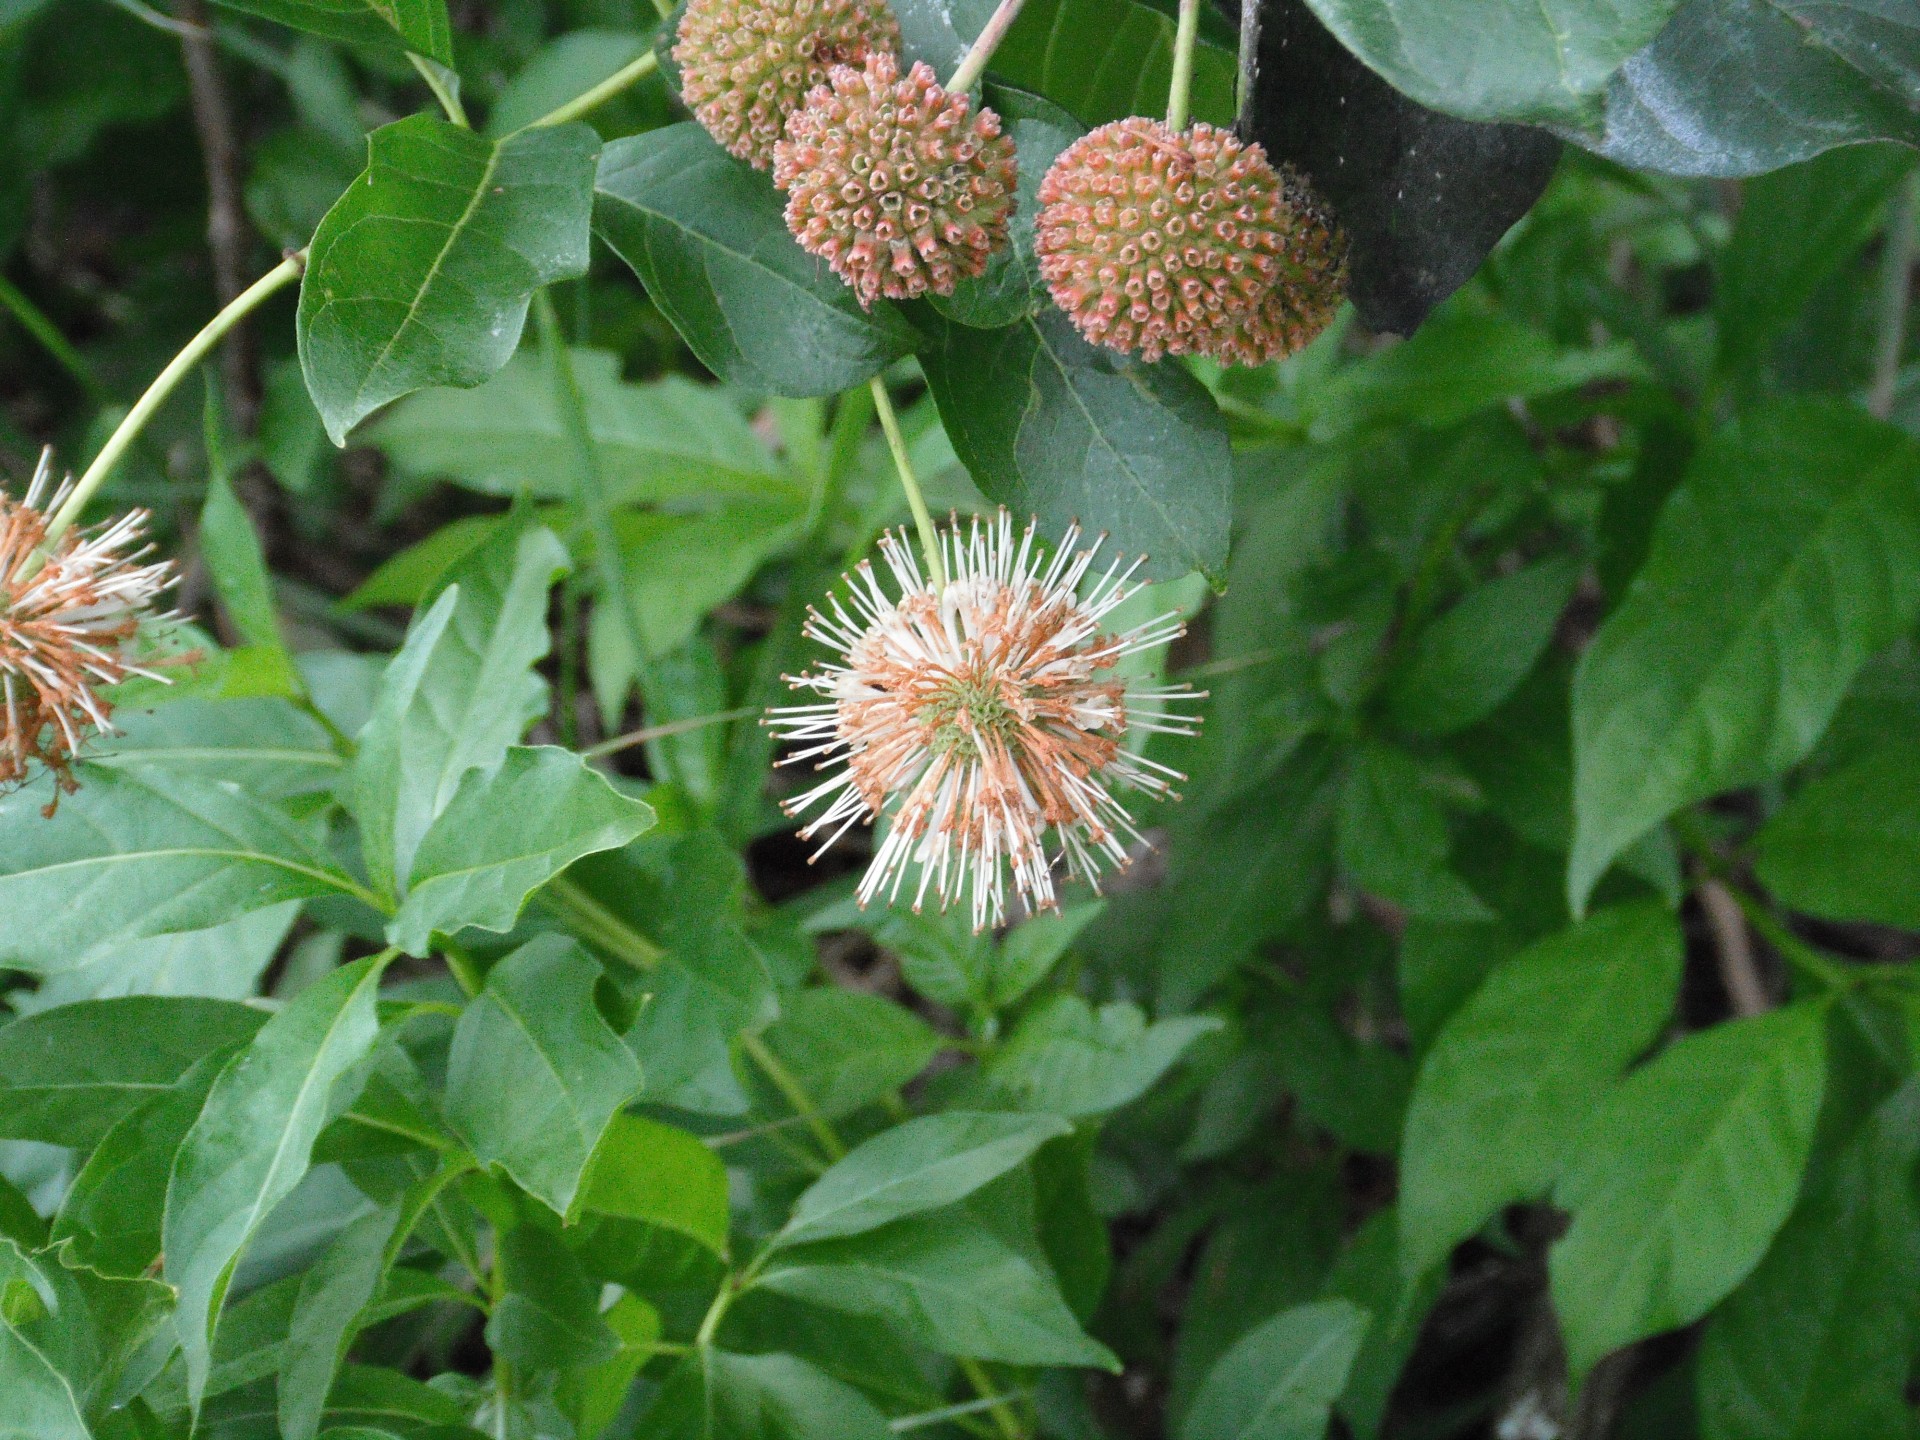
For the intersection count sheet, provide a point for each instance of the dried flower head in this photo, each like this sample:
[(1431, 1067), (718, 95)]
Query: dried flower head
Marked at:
[(979, 715), (746, 65), (67, 612), (1191, 243), (892, 184)]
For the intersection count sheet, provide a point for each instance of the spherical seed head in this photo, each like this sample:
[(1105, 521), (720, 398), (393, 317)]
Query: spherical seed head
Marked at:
[(894, 182), (982, 717), (1187, 244), (746, 65), (67, 614)]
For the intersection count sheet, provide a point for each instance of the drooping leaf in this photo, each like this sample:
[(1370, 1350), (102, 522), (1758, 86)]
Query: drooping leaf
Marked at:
[(1788, 556), (1053, 427), (1682, 1178), (1514, 1074), (251, 1143), (644, 1170), (1847, 845), (706, 236), (1740, 87), (421, 273), (536, 1075), (1280, 1380), (417, 25), (1067, 1058), (920, 1165), (506, 832)]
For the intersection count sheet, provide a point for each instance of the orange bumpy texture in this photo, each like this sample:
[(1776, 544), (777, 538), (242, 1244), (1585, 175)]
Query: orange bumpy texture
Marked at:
[(1186, 244), (746, 65), (894, 182)]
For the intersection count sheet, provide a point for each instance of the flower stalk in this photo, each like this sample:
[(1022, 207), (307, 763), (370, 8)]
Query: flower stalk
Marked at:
[(909, 482), (1180, 88), (974, 64)]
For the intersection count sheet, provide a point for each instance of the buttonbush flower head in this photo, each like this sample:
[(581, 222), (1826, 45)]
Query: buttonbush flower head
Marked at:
[(895, 182), (67, 613), (981, 715), (746, 65), (1186, 244)]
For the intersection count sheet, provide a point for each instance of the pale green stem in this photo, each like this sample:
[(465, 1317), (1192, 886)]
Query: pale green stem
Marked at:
[(1896, 295), (795, 1093), (661, 732), (1003, 1416), (995, 30), (436, 77), (601, 93), (178, 368), (593, 921), (909, 482), (1180, 90)]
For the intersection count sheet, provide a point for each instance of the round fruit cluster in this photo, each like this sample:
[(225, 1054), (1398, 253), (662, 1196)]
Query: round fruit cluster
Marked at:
[(1152, 241)]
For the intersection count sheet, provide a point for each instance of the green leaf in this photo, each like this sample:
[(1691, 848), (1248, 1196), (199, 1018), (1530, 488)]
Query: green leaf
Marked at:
[(717, 1396), (457, 695), (417, 25), (1682, 1178), (1371, 1276), (1516, 1071), (250, 1146), (1810, 75), (597, 1393), (239, 571), (549, 1317), (1847, 845), (421, 273), (1067, 1058), (1107, 59), (1508, 61), (1050, 426), (643, 1170), (265, 745), (139, 853), (223, 962), (655, 441), (331, 1296), (507, 831), (1469, 661), (1280, 1380), (846, 1049), (69, 1075), (1816, 1344), (36, 1402), (536, 1075), (1787, 557), (923, 1164), (952, 1282), (1392, 838), (708, 238)]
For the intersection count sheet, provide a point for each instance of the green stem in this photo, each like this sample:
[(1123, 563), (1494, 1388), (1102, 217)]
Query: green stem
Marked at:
[(795, 1093), (1810, 961), (590, 100), (1003, 1416), (661, 732), (436, 77), (909, 482), (1180, 89), (991, 34), (1896, 295), (35, 322), (178, 368), (731, 1289), (593, 921)]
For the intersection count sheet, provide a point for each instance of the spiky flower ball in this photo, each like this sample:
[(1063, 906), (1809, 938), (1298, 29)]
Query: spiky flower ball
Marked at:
[(1186, 244), (746, 65), (980, 714), (894, 182), (67, 613)]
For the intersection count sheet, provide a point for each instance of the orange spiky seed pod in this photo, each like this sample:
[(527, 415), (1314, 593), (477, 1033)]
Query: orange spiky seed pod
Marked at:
[(746, 65), (1186, 244), (894, 182)]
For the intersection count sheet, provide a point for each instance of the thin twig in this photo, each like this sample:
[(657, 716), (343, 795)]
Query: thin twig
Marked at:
[(661, 732), (590, 100), (1247, 74), (1733, 947), (1896, 295), (974, 65)]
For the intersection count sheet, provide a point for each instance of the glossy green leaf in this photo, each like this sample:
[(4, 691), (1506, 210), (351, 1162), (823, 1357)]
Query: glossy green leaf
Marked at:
[(549, 1316), (250, 1146), (1514, 1074), (264, 744), (717, 1396), (707, 237), (139, 853), (36, 1402), (845, 1049), (1847, 845), (1067, 1058), (1739, 87), (536, 1075), (239, 571), (422, 273), (644, 1170), (1472, 658), (1107, 59), (1817, 1343), (920, 1165), (223, 962), (68, 1075), (1788, 556), (1050, 426), (1683, 1176), (459, 693), (1280, 1380), (331, 1296), (417, 25), (506, 832)]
